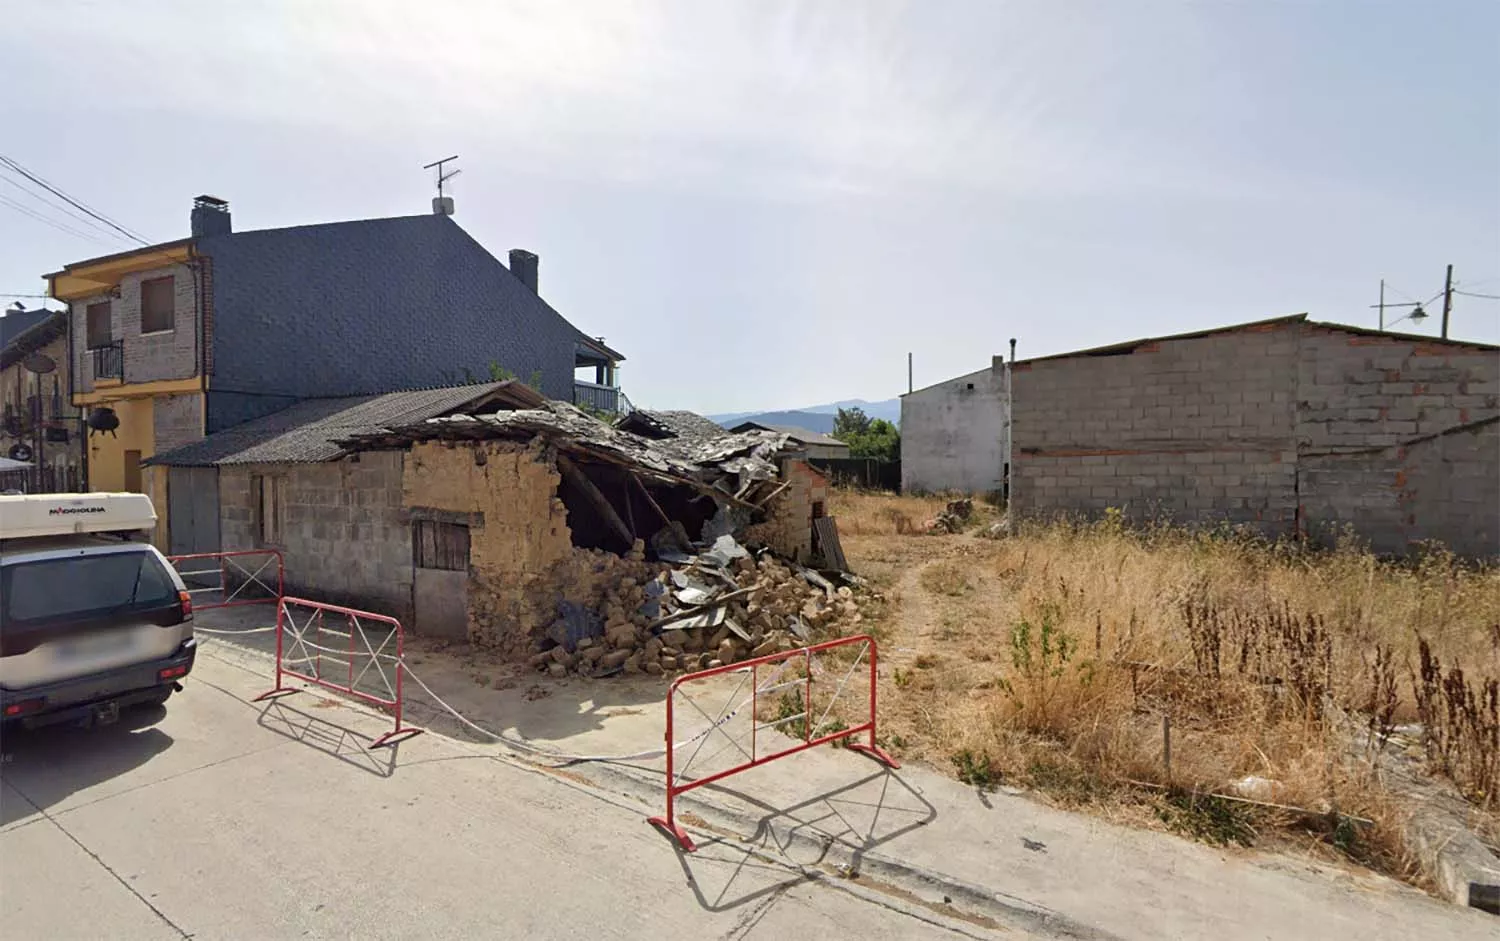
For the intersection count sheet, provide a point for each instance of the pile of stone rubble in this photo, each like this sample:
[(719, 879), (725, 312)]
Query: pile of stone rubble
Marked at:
[(720, 606)]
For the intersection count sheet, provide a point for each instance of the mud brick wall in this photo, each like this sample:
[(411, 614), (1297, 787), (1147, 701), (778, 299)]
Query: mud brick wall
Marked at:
[(518, 534), (1195, 430), (788, 527), (346, 538)]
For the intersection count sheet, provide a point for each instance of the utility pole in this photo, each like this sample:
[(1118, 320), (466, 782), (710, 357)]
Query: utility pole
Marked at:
[(908, 374), (1382, 305), (1447, 300)]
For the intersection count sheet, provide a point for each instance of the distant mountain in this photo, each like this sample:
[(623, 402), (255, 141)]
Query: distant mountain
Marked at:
[(814, 417)]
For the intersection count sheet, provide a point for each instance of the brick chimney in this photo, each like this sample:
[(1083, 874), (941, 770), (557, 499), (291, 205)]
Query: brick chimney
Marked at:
[(210, 217), (523, 264)]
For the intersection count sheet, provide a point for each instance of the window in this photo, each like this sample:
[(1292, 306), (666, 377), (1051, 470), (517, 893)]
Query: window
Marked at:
[(84, 586), (98, 328), (438, 545), (269, 494), (158, 302)]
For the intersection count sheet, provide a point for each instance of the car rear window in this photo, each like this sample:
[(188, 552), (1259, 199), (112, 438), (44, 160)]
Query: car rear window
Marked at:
[(83, 586)]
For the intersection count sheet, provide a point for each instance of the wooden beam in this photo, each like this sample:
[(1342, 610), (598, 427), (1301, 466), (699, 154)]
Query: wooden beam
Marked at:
[(641, 486), (578, 479)]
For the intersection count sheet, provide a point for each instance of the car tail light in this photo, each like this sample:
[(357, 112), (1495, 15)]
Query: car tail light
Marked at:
[(23, 707), (171, 673), (186, 600)]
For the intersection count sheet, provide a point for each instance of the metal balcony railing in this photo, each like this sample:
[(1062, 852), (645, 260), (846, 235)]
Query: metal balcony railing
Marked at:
[(109, 361), (607, 399)]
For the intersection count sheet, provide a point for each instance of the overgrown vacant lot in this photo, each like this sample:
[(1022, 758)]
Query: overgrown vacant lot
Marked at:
[(1051, 658)]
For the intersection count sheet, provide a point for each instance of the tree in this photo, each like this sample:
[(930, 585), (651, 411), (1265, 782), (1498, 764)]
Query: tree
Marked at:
[(880, 440), (850, 423)]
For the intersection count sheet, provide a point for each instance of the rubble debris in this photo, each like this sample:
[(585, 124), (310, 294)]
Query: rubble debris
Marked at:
[(697, 614), (953, 518), (997, 530)]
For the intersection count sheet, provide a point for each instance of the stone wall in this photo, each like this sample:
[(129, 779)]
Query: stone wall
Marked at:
[(1196, 429), (953, 434), (346, 537), (787, 530), (518, 531)]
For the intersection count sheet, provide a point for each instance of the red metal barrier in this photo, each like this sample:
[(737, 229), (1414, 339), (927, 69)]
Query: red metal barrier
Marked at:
[(301, 627), (260, 586), (776, 664)]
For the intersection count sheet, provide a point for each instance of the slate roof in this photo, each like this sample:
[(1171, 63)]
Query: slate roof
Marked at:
[(17, 322), (307, 432), (800, 435), (670, 424)]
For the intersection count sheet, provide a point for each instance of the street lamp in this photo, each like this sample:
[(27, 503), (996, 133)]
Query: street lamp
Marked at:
[(1416, 316)]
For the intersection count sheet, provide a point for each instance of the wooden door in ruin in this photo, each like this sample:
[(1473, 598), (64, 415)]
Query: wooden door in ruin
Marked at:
[(440, 578)]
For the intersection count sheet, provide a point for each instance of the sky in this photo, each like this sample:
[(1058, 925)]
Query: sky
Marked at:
[(770, 204)]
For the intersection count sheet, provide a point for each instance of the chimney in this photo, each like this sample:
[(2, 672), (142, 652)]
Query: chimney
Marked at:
[(523, 264), (210, 217)]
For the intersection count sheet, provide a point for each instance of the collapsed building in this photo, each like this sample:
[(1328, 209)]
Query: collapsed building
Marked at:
[(488, 514)]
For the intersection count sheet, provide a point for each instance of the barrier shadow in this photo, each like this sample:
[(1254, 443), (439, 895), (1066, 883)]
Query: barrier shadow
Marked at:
[(725, 874), (330, 738), (859, 817)]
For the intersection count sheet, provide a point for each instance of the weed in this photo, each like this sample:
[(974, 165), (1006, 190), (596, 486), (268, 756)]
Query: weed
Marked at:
[(791, 715), (976, 770), (925, 662), (946, 578), (1460, 725), (902, 678), (1208, 818)]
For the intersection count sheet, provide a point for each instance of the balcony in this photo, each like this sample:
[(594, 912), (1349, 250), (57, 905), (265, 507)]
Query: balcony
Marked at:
[(594, 397), (109, 361)]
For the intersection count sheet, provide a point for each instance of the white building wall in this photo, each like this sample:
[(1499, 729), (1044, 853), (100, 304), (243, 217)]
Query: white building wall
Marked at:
[(953, 434)]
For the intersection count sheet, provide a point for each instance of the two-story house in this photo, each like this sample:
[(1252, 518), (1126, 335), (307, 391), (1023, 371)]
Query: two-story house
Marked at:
[(178, 340), (39, 427)]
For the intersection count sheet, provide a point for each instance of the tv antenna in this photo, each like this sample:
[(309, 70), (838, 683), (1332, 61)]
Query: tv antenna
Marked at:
[(441, 176)]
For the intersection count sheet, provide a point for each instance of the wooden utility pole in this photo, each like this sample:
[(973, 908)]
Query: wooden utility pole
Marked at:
[(1447, 300), (908, 374)]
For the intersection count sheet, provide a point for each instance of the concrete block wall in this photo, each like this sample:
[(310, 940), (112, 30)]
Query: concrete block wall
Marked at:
[(953, 434), (346, 537), (171, 354), (1195, 429)]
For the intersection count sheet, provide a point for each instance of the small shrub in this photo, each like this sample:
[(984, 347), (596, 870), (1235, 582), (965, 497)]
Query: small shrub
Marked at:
[(946, 578), (976, 770), (1460, 725), (1208, 818)]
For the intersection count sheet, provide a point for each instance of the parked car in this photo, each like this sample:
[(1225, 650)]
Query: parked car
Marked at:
[(93, 619)]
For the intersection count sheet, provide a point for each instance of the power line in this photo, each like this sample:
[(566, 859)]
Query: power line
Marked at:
[(7, 161), (94, 226), (26, 210), (1490, 297)]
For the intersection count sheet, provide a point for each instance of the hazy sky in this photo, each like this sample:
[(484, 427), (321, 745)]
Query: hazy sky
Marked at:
[(769, 204)]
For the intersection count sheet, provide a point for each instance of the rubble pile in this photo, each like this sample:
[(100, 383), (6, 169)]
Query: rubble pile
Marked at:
[(953, 519), (717, 607)]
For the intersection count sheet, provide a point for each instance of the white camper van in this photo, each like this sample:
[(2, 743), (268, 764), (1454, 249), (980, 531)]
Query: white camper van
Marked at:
[(93, 618)]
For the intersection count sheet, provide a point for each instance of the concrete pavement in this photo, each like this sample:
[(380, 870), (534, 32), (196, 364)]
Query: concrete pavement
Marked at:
[(219, 818)]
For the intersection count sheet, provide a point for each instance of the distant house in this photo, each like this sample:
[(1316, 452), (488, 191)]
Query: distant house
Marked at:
[(186, 338), (814, 444), (39, 427)]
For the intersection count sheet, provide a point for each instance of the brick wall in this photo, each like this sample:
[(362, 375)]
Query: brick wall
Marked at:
[(161, 355), (788, 528), (177, 420), (347, 539), (1197, 429)]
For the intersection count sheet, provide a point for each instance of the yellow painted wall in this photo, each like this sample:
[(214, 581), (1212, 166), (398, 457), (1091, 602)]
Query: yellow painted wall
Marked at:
[(107, 458)]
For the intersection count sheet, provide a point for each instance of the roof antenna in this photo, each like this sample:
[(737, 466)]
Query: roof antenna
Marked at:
[(443, 205)]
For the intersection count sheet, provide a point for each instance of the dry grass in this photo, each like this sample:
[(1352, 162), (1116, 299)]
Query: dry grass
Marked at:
[(1050, 659)]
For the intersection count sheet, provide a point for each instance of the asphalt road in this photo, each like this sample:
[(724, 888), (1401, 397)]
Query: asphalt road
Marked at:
[(221, 818)]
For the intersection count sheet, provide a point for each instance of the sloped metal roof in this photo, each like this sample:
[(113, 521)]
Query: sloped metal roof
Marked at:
[(308, 431)]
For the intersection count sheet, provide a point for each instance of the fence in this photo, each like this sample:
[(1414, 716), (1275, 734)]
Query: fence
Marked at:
[(237, 579), (357, 666), (864, 472), (805, 663), (49, 478)]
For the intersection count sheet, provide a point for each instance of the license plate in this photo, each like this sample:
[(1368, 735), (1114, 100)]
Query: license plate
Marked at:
[(89, 648)]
